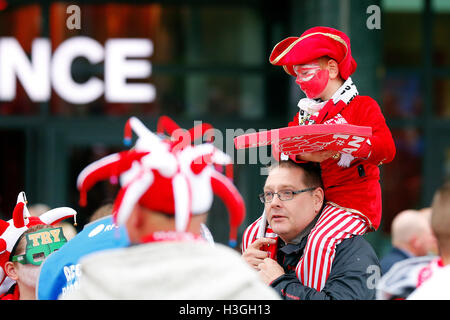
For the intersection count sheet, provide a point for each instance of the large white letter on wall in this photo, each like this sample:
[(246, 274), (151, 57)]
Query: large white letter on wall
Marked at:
[(124, 59), (63, 57), (34, 76), (118, 69)]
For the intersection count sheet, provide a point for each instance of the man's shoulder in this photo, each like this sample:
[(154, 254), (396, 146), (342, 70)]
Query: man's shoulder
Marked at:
[(355, 242), (357, 247), (355, 270)]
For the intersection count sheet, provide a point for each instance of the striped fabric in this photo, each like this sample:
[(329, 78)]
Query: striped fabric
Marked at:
[(251, 233), (334, 225)]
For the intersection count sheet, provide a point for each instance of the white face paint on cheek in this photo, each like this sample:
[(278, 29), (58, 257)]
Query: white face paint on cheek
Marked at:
[(28, 274), (311, 79), (315, 86)]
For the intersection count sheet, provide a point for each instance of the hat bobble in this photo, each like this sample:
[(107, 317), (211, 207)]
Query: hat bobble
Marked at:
[(128, 134), (114, 179), (56, 215), (232, 242)]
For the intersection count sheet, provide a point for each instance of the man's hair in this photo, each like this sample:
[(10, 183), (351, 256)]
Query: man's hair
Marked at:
[(406, 225), (312, 174), (440, 216), (102, 211)]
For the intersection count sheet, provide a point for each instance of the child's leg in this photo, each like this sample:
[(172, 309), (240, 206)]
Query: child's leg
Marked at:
[(333, 226)]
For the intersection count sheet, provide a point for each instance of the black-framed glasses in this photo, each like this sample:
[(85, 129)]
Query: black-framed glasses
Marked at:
[(283, 195)]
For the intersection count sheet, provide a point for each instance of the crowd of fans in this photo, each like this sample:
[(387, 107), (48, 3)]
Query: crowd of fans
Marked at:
[(152, 242)]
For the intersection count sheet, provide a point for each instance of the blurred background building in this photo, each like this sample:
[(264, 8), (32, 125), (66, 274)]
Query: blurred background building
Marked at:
[(209, 61)]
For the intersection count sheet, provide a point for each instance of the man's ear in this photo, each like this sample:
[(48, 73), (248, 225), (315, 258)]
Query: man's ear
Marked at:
[(135, 216), (333, 69), (415, 245), (134, 224), (11, 270), (318, 198)]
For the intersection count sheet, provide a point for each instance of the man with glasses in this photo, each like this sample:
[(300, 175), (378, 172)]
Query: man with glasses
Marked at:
[(168, 257), (294, 204)]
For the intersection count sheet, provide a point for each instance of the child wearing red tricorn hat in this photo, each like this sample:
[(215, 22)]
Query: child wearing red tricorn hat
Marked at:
[(321, 61)]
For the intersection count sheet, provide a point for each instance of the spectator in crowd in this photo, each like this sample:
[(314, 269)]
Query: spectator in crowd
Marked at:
[(436, 284), (23, 266), (60, 273), (102, 211), (411, 237), (39, 208), (407, 275), (294, 201), (433, 249), (25, 241), (166, 190)]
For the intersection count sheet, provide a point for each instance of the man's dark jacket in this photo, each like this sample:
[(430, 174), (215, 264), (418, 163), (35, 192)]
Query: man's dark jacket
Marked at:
[(354, 273)]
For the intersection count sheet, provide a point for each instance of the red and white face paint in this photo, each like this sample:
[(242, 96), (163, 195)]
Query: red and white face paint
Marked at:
[(311, 79)]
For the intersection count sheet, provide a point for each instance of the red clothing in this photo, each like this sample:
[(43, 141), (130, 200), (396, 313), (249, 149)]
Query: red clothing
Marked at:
[(12, 294), (357, 187)]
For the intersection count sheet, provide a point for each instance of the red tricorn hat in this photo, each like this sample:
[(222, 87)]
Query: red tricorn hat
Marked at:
[(312, 44)]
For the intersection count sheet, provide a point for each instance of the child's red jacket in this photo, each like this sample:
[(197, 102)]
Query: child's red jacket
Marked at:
[(357, 187)]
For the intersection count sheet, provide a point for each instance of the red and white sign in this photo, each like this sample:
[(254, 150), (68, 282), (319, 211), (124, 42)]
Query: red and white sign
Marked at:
[(300, 139)]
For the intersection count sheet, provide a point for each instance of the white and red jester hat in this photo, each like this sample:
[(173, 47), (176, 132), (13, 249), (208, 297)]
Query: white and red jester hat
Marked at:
[(11, 230), (164, 176)]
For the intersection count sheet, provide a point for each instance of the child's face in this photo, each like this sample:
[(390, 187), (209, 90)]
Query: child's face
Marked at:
[(312, 78)]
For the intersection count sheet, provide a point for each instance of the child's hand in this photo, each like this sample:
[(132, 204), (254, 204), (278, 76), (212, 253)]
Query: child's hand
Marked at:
[(317, 156)]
